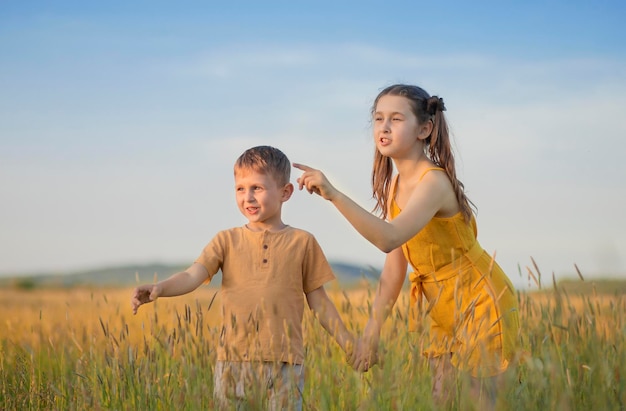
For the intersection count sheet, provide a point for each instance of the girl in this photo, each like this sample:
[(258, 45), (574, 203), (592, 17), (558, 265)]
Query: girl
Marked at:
[(427, 222)]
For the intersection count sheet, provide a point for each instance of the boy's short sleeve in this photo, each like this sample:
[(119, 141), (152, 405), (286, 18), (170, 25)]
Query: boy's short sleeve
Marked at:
[(317, 270), (212, 256)]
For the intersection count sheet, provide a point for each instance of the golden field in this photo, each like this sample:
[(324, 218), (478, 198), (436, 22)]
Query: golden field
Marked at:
[(82, 348)]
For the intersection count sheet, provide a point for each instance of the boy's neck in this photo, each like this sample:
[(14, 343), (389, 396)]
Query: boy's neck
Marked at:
[(257, 227)]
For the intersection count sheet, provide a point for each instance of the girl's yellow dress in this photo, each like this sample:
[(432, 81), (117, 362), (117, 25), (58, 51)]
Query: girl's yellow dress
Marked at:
[(471, 302)]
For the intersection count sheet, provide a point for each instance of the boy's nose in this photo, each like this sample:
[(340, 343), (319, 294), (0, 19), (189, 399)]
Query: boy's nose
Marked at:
[(250, 196)]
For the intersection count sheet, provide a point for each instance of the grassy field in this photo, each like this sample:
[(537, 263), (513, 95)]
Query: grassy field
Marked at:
[(81, 348)]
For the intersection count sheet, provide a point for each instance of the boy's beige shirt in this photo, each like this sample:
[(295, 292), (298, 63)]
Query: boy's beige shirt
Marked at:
[(264, 278)]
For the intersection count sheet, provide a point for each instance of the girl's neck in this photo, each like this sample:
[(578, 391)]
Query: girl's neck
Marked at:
[(412, 167)]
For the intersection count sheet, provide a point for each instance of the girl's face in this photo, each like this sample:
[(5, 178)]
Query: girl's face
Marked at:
[(260, 199), (397, 132)]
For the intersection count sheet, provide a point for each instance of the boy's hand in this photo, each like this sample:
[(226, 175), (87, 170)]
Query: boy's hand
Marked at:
[(144, 294), (350, 351)]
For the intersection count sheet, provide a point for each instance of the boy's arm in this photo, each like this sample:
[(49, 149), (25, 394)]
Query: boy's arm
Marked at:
[(329, 318), (178, 284)]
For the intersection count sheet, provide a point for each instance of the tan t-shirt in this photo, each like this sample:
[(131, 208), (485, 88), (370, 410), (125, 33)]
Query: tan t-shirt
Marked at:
[(264, 278)]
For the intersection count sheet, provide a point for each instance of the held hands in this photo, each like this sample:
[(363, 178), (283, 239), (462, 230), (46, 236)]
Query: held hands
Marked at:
[(315, 182), (365, 355), (144, 294)]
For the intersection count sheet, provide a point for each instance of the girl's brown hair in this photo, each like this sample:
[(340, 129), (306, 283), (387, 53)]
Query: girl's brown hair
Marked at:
[(438, 148)]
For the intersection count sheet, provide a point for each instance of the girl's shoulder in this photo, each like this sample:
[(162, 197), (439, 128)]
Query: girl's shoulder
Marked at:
[(429, 169), (396, 178)]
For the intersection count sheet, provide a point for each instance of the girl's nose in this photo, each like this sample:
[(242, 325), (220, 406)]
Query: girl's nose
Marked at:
[(385, 126)]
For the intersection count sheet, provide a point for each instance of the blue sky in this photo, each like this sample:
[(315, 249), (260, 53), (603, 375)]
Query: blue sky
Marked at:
[(120, 122)]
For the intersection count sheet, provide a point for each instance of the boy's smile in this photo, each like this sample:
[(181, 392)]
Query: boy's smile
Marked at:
[(252, 210), (260, 199)]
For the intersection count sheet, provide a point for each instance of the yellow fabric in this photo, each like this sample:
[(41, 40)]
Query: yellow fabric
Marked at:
[(264, 278), (470, 300)]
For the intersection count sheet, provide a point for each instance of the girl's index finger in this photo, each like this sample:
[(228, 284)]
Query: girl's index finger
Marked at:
[(302, 167)]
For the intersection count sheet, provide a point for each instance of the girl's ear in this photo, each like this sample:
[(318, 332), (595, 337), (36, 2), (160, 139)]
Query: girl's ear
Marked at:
[(424, 130), (287, 192)]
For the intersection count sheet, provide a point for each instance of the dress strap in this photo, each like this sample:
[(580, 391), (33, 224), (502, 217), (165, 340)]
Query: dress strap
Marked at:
[(430, 169), (394, 185)]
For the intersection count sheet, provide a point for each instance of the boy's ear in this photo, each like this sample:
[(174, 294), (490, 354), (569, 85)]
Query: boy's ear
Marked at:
[(287, 192)]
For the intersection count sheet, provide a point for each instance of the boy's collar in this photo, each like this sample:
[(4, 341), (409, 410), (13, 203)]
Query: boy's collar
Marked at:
[(282, 227)]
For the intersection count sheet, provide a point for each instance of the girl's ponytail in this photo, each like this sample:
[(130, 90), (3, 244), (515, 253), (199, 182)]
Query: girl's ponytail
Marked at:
[(440, 152)]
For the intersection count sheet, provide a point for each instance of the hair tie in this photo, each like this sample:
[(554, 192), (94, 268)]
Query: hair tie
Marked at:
[(434, 104)]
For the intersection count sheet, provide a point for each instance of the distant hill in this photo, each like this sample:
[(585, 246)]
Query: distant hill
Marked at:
[(602, 286), (347, 275), (128, 275)]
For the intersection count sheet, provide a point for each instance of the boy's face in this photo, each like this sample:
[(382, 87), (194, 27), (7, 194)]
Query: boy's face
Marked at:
[(260, 199)]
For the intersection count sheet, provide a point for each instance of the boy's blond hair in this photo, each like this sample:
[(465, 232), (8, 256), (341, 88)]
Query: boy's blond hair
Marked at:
[(266, 160)]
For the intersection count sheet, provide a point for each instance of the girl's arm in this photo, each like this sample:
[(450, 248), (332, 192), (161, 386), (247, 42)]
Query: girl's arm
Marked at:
[(425, 201), (178, 284), (329, 318), (391, 281)]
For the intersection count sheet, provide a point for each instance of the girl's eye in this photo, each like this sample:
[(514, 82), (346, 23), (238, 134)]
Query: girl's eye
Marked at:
[(396, 119), (378, 118)]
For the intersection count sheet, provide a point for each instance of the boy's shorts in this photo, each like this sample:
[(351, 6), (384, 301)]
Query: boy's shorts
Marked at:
[(258, 385)]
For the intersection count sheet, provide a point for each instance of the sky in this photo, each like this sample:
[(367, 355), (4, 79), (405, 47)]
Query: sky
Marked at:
[(120, 123)]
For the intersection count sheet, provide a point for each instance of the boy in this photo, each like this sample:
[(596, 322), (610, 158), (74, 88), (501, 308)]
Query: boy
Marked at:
[(267, 267)]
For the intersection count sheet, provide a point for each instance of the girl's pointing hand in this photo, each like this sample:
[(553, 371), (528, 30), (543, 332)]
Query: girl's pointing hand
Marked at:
[(315, 182)]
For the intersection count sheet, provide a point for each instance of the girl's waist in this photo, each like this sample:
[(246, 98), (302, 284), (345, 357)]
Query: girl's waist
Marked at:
[(450, 270)]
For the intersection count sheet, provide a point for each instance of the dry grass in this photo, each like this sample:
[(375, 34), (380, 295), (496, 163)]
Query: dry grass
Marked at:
[(81, 348)]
